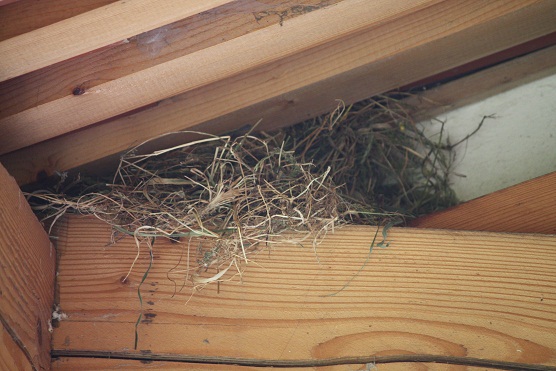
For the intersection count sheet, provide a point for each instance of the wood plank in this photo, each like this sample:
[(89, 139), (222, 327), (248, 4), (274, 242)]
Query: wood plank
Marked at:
[(27, 276), (430, 292), (528, 207), (483, 84), (197, 69), (28, 15), (145, 50), (6, 2), (289, 91), (12, 356), (95, 29), (484, 63), (85, 364)]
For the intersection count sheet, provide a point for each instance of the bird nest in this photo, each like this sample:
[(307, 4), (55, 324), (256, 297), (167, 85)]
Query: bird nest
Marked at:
[(363, 164)]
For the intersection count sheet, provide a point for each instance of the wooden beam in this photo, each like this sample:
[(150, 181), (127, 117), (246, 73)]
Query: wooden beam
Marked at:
[(529, 207), (103, 360), (430, 292), (483, 84), (143, 51), (26, 280), (90, 364), (196, 70), (6, 2), (97, 28), (289, 91), (12, 355), (28, 15), (489, 61)]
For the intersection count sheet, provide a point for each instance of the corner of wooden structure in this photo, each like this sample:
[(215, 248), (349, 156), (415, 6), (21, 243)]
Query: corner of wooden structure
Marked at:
[(26, 283)]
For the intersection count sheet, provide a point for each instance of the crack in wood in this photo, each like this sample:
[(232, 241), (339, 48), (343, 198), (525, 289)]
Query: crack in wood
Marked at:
[(405, 358), (17, 341)]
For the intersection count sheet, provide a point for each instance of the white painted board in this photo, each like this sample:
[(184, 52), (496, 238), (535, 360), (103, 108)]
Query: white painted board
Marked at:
[(518, 145)]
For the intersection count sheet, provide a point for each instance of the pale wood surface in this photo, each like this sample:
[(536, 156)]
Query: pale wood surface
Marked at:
[(528, 207), (92, 30), (24, 16), (197, 69), (12, 357), (483, 84), (143, 51), (111, 364), (291, 90), (436, 292), (27, 275)]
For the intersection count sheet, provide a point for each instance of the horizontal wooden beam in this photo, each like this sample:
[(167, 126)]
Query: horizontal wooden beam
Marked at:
[(292, 89), (94, 364), (92, 30), (26, 281), (441, 293), (115, 360)]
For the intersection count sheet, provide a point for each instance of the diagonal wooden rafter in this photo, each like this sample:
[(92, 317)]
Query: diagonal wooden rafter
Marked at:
[(92, 30), (198, 69), (291, 89)]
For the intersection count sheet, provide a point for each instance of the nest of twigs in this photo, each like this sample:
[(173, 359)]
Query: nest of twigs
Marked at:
[(378, 153), (241, 193), (363, 164)]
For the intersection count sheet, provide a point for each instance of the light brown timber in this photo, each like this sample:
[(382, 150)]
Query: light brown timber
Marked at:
[(27, 260), (12, 356), (28, 15), (483, 84), (86, 364), (468, 294), (528, 207), (146, 50), (199, 69), (92, 30), (289, 91)]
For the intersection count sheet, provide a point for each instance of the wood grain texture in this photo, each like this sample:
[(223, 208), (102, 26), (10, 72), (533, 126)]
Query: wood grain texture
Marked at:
[(485, 62), (146, 50), (86, 364), (292, 90), (28, 15), (528, 207), (6, 2), (482, 295), (92, 30), (197, 69), (483, 84), (101, 364), (12, 356), (27, 276)]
